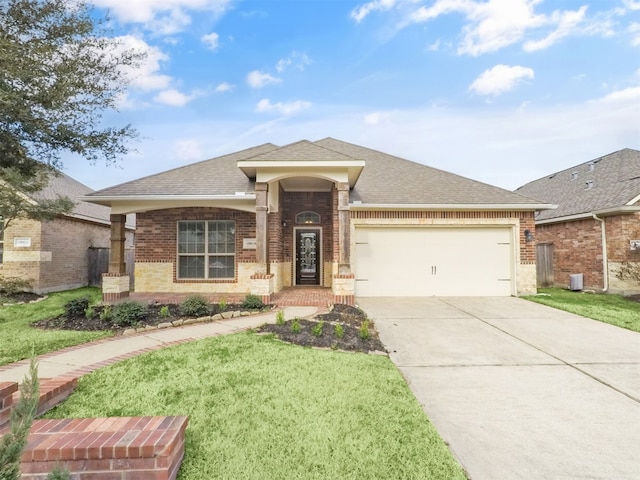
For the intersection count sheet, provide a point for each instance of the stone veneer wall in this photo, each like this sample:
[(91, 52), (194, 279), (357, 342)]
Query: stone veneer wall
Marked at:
[(524, 252)]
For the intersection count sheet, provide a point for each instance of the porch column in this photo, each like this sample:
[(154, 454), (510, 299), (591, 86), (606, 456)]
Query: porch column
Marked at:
[(343, 229), (261, 228), (115, 283)]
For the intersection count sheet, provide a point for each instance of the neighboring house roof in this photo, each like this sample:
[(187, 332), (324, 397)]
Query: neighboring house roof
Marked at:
[(603, 185), (385, 180), (64, 185)]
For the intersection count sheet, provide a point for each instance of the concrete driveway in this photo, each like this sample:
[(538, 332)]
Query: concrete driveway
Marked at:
[(517, 389)]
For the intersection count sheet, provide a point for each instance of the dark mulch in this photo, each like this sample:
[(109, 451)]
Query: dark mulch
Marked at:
[(20, 297), (351, 320), (153, 318)]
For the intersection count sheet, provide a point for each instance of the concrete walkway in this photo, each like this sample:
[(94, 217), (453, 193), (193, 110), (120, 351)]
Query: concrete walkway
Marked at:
[(81, 359), (517, 389)]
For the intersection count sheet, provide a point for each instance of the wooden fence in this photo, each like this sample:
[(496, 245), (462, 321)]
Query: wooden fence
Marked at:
[(544, 264), (99, 264)]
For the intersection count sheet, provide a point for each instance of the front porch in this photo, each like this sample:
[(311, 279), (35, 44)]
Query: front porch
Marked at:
[(287, 297)]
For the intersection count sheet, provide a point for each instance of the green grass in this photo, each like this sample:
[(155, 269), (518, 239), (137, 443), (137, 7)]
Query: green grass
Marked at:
[(260, 409), (613, 309), (19, 340)]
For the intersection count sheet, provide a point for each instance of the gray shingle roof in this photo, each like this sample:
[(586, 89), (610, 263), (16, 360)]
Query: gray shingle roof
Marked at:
[(385, 179), (602, 183), (64, 185)]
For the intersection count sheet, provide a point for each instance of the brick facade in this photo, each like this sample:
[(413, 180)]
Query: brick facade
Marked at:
[(57, 258), (577, 248)]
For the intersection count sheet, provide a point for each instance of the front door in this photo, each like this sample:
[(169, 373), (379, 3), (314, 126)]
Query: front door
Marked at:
[(308, 260)]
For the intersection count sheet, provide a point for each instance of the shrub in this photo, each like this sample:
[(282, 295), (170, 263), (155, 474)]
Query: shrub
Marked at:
[(13, 285), (222, 304), (129, 314), (89, 313), (164, 311), (364, 331), (76, 308), (194, 306), (316, 331), (295, 326), (339, 331), (106, 315), (252, 302), (280, 317)]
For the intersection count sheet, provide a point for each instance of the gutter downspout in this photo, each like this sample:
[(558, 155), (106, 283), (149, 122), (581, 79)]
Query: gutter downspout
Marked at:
[(605, 260)]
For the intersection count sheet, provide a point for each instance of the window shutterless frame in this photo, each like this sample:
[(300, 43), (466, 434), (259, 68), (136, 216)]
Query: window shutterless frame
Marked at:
[(206, 249)]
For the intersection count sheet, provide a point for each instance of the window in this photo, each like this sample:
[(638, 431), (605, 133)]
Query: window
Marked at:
[(308, 218), (207, 249)]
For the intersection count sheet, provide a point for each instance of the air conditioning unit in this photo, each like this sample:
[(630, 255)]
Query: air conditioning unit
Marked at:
[(576, 281)]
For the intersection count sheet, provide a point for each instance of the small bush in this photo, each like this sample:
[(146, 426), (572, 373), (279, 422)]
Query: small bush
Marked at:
[(222, 305), (89, 313), (280, 317), (129, 314), (295, 326), (316, 331), (339, 331), (76, 308), (106, 315), (164, 312), (13, 285), (364, 331), (194, 306), (252, 302)]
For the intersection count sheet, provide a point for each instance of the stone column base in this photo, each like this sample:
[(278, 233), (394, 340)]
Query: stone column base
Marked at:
[(114, 287), (344, 287), (262, 285)]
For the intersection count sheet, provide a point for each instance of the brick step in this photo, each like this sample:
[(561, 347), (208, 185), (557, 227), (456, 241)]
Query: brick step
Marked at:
[(52, 392), (141, 448)]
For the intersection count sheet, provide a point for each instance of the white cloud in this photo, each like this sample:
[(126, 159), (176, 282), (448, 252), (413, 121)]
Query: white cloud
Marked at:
[(632, 5), (360, 12), (630, 94), (289, 108), (295, 60), (161, 16), (211, 40), (146, 76), (500, 79), (188, 150), (376, 118), (567, 23), (258, 79), (634, 30), (494, 24), (173, 98), (224, 87)]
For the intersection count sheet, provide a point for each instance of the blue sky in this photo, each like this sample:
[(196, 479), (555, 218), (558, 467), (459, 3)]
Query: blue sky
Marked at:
[(501, 91)]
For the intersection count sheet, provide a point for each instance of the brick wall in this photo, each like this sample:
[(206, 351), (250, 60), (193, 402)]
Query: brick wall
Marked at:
[(58, 256), (578, 248), (156, 234)]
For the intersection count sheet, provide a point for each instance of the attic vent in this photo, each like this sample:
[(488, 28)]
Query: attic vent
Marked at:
[(552, 176), (588, 185), (591, 166), (574, 175)]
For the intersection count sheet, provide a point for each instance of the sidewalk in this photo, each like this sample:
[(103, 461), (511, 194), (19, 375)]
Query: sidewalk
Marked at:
[(84, 358)]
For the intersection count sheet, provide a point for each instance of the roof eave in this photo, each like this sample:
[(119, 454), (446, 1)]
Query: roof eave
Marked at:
[(122, 204), (452, 207), (605, 212)]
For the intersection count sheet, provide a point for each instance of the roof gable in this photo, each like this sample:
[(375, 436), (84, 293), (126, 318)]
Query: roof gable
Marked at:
[(607, 182)]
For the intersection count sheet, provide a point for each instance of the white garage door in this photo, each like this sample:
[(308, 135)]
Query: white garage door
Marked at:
[(440, 261)]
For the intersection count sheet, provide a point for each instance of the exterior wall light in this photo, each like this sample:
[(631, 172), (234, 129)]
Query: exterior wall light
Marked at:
[(528, 236)]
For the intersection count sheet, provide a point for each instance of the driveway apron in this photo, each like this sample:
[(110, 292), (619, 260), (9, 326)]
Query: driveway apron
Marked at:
[(519, 390)]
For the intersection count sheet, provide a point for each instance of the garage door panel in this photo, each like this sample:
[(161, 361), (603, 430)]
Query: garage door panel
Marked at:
[(433, 261)]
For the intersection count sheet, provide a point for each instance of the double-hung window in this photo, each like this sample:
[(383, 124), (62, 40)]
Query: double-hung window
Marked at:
[(207, 249)]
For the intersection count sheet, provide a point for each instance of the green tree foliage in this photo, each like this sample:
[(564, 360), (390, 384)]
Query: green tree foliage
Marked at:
[(59, 71), (22, 414)]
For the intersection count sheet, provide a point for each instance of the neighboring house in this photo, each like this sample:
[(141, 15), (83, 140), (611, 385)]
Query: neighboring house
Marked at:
[(324, 213), (596, 227), (53, 255)]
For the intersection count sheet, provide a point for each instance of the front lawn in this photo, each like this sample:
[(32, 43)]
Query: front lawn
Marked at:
[(18, 340), (259, 408), (614, 309)]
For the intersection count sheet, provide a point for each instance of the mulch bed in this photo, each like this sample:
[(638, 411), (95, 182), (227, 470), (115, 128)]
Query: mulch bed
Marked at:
[(349, 318)]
